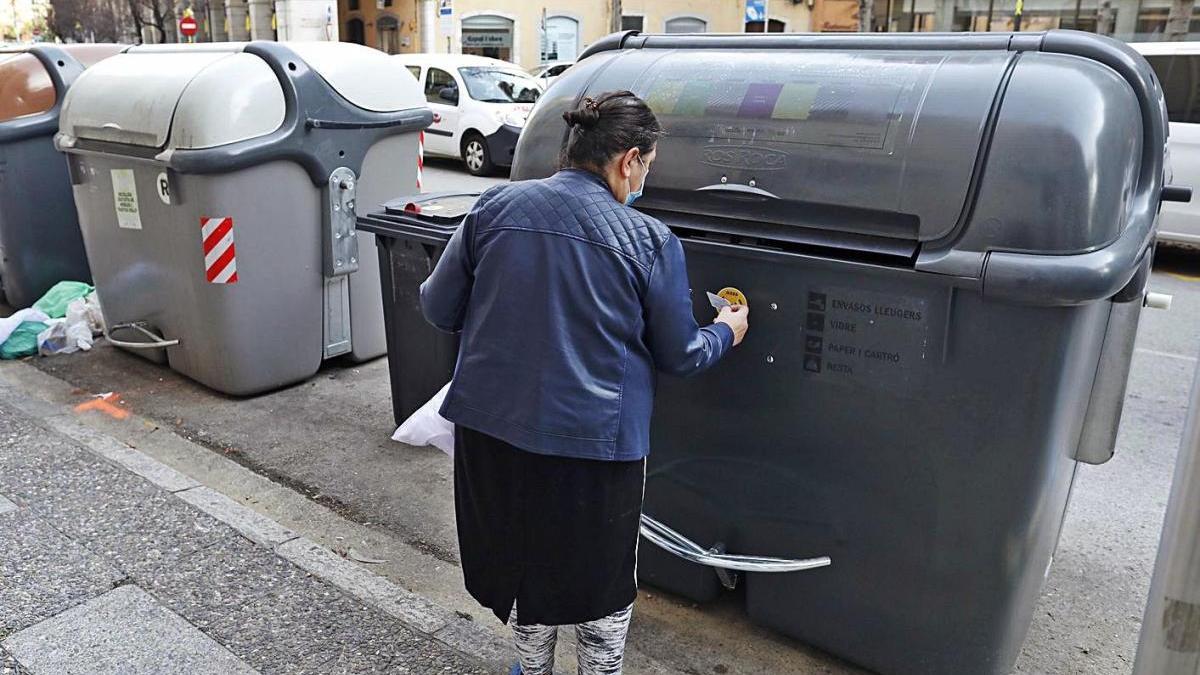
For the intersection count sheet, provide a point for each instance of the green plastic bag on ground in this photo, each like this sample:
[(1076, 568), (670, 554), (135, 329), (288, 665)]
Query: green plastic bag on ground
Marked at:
[(23, 341), (54, 302)]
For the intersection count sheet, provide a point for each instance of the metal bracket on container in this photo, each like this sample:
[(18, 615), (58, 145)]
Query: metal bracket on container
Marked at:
[(341, 246), (340, 259), (724, 563), (156, 341)]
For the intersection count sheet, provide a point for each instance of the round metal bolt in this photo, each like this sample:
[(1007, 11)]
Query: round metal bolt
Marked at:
[(337, 207), (337, 235), (354, 261), (774, 306), (724, 179), (339, 263), (770, 359), (753, 182)]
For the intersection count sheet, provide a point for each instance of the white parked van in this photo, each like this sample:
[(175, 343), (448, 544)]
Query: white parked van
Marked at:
[(480, 106), (1178, 67)]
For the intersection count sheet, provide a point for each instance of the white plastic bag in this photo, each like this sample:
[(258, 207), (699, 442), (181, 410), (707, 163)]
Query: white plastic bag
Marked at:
[(75, 331), (427, 426), (10, 324)]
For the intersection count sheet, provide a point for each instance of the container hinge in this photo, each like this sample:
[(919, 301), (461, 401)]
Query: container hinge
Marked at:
[(340, 259)]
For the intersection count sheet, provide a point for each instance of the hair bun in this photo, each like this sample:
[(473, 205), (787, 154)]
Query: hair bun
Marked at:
[(585, 116)]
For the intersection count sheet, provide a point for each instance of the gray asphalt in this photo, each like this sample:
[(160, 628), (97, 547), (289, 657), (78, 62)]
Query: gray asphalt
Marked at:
[(328, 439)]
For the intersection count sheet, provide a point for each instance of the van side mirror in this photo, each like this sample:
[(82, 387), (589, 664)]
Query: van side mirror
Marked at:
[(449, 95)]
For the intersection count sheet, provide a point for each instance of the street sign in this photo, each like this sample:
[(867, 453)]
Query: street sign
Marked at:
[(188, 26), (756, 10), (446, 14)]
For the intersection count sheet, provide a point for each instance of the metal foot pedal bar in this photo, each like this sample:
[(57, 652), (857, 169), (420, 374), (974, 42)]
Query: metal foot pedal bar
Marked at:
[(672, 542)]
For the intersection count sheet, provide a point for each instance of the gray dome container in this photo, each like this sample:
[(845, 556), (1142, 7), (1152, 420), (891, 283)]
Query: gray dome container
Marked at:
[(217, 186), (945, 240)]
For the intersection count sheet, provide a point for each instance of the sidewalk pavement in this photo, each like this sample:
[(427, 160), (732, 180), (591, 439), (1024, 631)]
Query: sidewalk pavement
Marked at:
[(111, 562)]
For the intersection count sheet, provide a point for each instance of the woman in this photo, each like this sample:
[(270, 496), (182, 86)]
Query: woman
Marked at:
[(568, 301)]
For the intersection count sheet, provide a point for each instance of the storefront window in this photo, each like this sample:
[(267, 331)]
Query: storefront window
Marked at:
[(488, 35), (561, 39), (632, 23), (1038, 15)]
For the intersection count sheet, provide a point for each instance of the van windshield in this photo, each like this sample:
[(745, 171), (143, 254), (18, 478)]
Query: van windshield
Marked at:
[(493, 85)]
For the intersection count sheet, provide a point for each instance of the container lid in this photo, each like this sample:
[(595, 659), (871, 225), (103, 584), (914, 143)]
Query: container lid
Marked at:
[(435, 208), (133, 98), (180, 97), (25, 86), (429, 218), (363, 76)]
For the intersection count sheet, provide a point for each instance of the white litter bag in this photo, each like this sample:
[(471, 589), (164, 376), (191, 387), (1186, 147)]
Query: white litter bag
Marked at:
[(75, 331), (428, 427)]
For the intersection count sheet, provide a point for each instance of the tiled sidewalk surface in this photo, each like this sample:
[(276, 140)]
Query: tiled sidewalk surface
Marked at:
[(104, 571)]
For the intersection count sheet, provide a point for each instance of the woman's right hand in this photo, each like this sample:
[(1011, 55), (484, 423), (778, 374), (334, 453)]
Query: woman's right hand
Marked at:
[(736, 317)]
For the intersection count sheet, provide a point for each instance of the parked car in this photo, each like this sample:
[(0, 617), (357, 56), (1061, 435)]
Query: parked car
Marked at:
[(547, 73), (480, 106), (1177, 65)]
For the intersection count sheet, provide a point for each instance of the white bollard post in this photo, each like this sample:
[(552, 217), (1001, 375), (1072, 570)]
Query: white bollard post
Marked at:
[(1170, 640)]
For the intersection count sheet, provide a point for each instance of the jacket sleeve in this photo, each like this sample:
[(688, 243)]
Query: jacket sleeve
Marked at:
[(444, 295), (677, 343)]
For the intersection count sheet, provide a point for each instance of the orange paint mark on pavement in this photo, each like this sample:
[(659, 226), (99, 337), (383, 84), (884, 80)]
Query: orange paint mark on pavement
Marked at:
[(105, 403)]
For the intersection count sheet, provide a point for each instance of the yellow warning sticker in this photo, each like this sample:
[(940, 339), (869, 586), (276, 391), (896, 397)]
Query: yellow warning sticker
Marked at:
[(733, 296)]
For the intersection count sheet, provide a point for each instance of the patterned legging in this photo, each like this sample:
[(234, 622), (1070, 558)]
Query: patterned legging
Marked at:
[(601, 644)]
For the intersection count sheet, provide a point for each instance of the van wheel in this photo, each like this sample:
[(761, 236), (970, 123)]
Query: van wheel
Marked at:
[(475, 155)]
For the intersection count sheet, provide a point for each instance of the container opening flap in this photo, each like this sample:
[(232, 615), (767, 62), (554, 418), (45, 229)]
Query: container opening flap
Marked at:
[(876, 143)]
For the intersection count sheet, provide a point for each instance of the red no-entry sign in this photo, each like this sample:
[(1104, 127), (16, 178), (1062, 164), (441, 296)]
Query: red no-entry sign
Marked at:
[(188, 26)]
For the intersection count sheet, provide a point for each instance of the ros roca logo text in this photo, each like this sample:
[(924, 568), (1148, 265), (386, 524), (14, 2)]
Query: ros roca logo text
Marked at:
[(744, 157)]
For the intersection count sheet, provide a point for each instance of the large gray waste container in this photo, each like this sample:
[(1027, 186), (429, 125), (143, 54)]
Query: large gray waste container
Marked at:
[(40, 243), (945, 242), (217, 188)]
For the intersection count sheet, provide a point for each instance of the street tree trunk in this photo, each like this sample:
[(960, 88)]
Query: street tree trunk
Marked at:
[(136, 13), (1178, 20)]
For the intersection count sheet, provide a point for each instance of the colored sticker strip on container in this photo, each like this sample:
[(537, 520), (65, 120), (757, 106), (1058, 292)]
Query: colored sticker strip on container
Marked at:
[(220, 258)]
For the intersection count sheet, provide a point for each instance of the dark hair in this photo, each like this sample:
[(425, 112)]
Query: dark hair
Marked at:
[(607, 125)]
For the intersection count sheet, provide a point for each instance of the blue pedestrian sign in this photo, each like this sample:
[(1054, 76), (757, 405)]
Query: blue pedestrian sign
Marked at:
[(756, 10)]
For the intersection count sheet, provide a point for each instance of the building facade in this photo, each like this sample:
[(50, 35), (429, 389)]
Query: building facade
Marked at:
[(529, 33)]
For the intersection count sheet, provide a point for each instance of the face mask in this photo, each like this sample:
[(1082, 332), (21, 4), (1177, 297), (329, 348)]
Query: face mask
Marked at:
[(633, 195)]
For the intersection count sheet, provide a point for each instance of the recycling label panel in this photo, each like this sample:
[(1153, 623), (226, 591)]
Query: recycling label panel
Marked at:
[(865, 336)]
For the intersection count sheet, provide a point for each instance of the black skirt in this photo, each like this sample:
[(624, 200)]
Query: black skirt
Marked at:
[(556, 535)]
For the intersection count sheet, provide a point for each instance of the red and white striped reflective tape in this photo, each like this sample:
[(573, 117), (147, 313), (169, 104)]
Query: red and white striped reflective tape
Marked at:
[(420, 159), (220, 258)]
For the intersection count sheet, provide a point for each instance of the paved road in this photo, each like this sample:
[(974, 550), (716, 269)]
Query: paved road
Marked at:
[(327, 439)]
